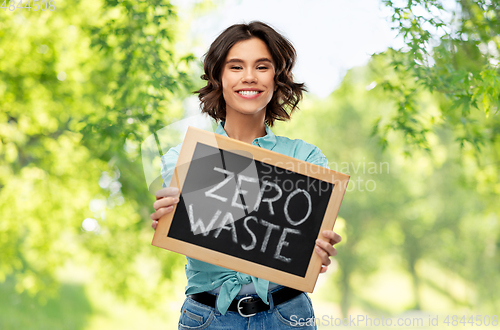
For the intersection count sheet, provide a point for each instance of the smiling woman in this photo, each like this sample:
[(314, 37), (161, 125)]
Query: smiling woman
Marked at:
[(248, 69)]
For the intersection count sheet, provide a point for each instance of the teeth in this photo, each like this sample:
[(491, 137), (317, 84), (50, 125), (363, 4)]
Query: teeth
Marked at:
[(248, 92)]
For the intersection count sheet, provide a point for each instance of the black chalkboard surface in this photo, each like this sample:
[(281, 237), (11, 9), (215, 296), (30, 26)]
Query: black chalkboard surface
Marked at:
[(250, 209)]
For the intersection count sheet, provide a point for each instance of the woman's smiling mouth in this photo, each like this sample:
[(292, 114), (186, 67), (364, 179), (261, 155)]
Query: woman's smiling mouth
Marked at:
[(249, 93)]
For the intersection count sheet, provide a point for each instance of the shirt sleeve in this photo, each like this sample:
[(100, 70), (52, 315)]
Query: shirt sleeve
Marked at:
[(168, 162), (316, 157)]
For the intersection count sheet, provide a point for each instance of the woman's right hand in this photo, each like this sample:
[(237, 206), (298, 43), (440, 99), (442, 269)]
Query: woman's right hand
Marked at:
[(166, 198)]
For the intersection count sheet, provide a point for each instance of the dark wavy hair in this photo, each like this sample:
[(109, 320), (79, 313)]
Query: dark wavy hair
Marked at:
[(288, 93)]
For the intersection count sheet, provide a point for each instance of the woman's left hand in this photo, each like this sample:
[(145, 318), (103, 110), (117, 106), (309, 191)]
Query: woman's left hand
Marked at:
[(324, 248)]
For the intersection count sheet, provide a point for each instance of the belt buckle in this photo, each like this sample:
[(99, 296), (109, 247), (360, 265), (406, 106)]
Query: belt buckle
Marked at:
[(240, 308)]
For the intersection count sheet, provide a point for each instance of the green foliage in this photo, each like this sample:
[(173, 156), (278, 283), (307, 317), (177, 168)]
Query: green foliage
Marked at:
[(457, 60), (80, 87), (20, 311), (138, 39), (450, 52), (418, 209)]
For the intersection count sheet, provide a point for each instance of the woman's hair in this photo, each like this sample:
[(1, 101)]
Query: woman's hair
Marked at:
[(287, 94)]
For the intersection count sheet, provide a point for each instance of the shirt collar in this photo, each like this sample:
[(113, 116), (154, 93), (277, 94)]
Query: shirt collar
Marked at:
[(267, 141)]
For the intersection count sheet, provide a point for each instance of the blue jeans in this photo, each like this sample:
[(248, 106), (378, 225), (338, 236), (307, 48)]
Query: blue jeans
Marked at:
[(292, 314)]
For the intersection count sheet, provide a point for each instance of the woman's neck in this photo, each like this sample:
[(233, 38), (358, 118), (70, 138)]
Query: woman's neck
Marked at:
[(245, 128)]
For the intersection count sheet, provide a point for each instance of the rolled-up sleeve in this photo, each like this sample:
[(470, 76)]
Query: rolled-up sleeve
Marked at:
[(316, 157)]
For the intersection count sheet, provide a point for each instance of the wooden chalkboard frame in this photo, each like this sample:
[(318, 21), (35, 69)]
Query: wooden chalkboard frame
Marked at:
[(193, 136)]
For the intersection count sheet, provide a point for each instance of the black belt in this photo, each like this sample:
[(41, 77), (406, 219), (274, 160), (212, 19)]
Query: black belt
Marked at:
[(248, 306)]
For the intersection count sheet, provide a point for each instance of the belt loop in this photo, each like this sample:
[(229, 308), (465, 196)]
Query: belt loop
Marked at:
[(270, 299), (217, 313)]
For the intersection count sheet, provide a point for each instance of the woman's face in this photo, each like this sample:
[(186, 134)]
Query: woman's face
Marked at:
[(248, 78)]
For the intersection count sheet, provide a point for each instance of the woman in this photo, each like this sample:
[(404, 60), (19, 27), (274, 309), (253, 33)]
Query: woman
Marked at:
[(248, 69)]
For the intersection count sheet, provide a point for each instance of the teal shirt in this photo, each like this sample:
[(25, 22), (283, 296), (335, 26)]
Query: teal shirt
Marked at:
[(203, 276)]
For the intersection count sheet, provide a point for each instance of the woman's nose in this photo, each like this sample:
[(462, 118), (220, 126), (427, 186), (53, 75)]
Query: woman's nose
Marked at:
[(249, 76)]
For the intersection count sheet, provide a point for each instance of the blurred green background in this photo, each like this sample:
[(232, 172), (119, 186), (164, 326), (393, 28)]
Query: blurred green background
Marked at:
[(417, 128)]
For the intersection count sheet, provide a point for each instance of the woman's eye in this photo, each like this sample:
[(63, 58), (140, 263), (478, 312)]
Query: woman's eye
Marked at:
[(262, 68), (236, 68)]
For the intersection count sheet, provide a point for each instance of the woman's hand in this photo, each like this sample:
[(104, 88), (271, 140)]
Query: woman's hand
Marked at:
[(324, 248), (166, 198)]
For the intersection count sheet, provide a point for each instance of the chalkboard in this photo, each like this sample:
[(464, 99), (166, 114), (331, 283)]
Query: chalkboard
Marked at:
[(249, 209)]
